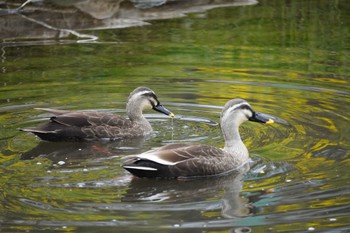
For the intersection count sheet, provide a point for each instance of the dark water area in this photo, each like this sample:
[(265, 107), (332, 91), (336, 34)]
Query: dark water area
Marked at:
[(287, 58)]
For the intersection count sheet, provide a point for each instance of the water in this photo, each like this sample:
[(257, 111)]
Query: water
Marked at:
[(288, 59)]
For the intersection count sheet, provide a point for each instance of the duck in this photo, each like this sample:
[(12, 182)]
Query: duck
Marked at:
[(187, 161), (93, 125)]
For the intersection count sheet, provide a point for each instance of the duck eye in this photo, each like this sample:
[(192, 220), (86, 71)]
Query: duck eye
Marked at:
[(245, 107), (149, 95)]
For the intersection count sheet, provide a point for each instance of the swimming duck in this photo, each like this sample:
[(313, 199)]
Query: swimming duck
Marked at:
[(183, 160), (92, 125)]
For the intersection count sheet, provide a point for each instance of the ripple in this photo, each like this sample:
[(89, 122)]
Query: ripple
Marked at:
[(263, 168), (281, 85), (298, 172)]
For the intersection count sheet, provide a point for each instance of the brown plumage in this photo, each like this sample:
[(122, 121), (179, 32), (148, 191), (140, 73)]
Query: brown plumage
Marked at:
[(182, 160), (92, 125)]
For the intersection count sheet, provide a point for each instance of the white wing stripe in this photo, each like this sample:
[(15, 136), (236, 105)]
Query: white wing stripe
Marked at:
[(156, 159), (140, 168)]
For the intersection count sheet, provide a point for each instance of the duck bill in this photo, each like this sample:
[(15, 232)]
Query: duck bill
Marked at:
[(163, 110), (262, 118)]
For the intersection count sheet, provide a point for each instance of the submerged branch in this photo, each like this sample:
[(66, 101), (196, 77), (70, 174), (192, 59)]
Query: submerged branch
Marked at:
[(85, 37), (23, 5), (15, 10)]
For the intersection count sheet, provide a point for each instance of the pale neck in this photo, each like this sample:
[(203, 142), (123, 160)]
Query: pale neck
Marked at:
[(233, 142), (134, 112)]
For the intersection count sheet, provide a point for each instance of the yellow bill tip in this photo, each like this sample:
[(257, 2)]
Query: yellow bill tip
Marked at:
[(171, 114), (270, 121)]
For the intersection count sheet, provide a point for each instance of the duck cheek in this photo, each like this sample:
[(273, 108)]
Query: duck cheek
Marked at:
[(146, 105)]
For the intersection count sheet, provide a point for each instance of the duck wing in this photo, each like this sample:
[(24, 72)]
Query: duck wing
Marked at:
[(180, 160), (90, 119), (84, 125), (173, 154)]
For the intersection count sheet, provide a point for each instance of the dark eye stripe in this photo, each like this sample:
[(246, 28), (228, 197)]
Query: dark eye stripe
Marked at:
[(150, 94), (152, 98), (245, 106), (241, 106)]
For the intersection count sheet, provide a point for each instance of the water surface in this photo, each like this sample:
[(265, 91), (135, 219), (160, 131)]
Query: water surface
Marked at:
[(287, 58)]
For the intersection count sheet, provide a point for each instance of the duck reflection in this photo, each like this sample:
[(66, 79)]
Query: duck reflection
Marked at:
[(59, 151), (208, 194)]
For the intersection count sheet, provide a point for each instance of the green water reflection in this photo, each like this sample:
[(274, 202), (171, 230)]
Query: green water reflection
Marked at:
[(287, 58)]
